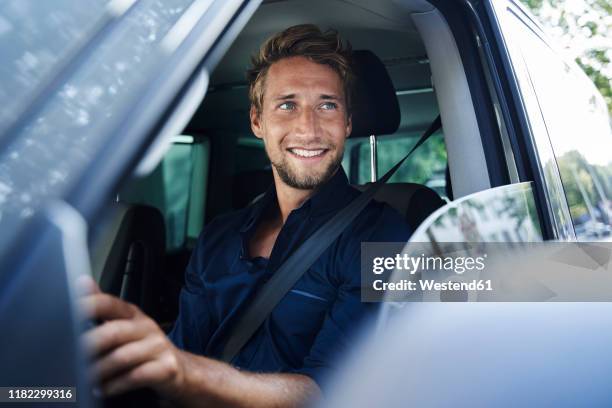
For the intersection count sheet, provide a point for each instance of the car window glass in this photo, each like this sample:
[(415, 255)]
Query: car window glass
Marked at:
[(250, 155), (177, 187), (511, 24), (197, 195), (427, 165), (35, 38), (577, 124), (252, 172)]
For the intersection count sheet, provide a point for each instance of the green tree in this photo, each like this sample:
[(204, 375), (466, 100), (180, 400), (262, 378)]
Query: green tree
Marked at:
[(584, 28)]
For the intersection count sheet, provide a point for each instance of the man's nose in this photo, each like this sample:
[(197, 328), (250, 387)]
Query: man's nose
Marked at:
[(307, 123)]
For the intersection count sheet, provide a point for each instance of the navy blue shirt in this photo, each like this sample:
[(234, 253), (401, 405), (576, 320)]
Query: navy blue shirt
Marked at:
[(314, 322)]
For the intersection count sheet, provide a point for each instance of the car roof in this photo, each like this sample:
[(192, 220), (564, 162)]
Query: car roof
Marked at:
[(384, 28), (395, 41)]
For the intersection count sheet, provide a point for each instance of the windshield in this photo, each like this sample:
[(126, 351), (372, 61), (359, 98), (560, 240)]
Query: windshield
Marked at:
[(35, 38), (54, 142)]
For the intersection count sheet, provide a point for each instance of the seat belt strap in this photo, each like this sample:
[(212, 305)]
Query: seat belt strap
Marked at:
[(292, 269)]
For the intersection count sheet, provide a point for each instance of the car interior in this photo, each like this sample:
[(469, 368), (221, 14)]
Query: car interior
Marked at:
[(126, 131), (414, 61)]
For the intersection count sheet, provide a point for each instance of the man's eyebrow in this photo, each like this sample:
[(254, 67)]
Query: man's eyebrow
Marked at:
[(331, 97), (292, 96), (284, 97)]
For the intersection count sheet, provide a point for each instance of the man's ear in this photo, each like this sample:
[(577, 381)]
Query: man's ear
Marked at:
[(256, 125), (349, 126)]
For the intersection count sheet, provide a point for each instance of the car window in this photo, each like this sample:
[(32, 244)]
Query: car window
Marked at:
[(577, 124), (177, 187), (427, 165)]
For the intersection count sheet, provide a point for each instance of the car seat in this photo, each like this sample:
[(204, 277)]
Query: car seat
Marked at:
[(376, 111)]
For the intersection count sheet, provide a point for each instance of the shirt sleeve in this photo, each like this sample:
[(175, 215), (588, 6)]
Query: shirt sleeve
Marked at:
[(192, 328)]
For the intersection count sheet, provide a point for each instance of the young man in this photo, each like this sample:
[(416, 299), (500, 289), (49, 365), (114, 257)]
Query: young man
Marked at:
[(300, 108)]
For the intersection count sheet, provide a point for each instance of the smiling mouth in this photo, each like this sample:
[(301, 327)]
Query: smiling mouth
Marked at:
[(307, 153)]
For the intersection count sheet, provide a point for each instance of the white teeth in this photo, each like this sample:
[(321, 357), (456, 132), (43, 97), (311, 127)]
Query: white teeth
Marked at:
[(307, 153)]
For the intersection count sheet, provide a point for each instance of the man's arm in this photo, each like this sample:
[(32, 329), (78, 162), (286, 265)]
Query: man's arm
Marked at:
[(132, 352), (219, 384)]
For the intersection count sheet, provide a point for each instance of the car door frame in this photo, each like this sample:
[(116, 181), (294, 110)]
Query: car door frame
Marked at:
[(523, 139)]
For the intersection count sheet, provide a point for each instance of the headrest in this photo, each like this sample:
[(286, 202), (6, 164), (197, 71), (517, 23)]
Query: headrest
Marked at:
[(375, 107)]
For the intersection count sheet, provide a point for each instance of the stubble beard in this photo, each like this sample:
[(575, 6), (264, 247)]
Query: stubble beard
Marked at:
[(309, 181)]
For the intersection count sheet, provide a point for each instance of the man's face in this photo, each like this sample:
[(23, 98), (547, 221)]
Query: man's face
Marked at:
[(303, 121)]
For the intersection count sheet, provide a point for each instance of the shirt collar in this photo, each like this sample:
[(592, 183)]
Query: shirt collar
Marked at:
[(335, 193), (258, 208)]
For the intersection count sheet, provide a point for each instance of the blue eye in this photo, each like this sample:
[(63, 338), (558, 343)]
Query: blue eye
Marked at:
[(329, 106), (287, 106)]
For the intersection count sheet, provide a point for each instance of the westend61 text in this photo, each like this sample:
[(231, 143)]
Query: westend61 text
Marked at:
[(430, 284)]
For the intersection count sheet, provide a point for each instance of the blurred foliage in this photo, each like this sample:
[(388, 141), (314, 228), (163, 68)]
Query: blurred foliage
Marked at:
[(586, 185), (586, 27)]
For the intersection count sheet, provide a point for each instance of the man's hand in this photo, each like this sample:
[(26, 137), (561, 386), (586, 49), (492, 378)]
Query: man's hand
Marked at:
[(129, 349)]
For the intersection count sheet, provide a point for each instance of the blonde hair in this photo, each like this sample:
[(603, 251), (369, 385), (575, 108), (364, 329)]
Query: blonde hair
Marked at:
[(305, 40)]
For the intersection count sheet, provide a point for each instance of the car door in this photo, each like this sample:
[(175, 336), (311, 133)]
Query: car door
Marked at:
[(89, 93)]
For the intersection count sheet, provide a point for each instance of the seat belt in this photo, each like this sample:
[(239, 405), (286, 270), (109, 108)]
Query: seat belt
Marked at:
[(292, 269)]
